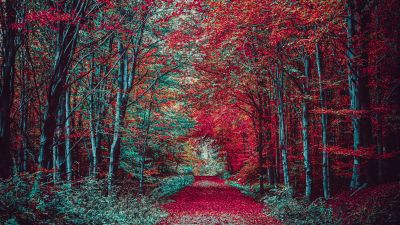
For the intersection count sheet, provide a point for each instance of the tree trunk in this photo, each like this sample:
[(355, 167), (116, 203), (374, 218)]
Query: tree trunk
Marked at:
[(143, 153), (281, 122), (119, 111), (7, 86), (66, 43), (56, 146), (260, 148), (68, 155), (354, 101), (125, 84), (23, 120), (93, 121), (324, 125), (378, 116), (304, 119), (93, 135), (358, 84)]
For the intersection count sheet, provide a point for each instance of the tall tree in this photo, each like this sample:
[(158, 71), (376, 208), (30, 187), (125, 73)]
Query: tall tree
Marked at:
[(281, 125), (67, 39), (11, 41), (304, 129), (324, 122), (357, 36)]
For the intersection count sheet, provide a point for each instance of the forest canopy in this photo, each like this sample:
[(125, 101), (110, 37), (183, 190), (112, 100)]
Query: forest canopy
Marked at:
[(130, 101)]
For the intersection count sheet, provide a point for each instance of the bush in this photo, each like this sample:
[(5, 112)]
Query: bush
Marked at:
[(84, 202), (16, 204), (171, 185), (226, 175), (372, 205), (290, 210), (185, 170), (247, 189), (88, 204)]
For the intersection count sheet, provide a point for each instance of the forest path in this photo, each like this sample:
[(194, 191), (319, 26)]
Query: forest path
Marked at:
[(210, 201)]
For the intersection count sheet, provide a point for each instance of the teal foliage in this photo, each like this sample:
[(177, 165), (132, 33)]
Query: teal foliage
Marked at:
[(185, 169), (130, 163), (16, 202), (89, 204), (171, 185), (247, 189), (289, 210), (226, 175), (11, 221), (153, 136), (83, 202)]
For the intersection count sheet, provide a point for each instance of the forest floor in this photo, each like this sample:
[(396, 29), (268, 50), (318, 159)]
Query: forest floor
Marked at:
[(210, 201)]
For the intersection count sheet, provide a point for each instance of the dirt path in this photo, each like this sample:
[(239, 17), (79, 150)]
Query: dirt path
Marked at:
[(210, 201)]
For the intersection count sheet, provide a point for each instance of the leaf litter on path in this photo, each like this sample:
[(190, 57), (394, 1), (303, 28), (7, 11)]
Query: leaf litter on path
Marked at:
[(210, 201)]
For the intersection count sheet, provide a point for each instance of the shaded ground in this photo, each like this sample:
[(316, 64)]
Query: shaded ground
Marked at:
[(209, 201)]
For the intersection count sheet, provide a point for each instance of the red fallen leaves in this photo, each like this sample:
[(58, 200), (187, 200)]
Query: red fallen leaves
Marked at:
[(210, 201)]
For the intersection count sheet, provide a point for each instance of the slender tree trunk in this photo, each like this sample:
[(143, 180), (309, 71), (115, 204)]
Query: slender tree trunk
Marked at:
[(120, 104), (277, 160), (23, 120), (125, 82), (324, 125), (116, 140), (143, 154), (304, 119), (260, 153), (141, 173), (281, 123), (378, 117), (56, 145), (379, 147), (93, 142), (93, 121), (353, 89), (68, 155)]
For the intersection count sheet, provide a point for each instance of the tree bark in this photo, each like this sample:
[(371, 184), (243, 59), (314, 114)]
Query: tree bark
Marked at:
[(93, 133), (119, 113), (304, 130), (324, 124), (68, 155), (358, 83), (124, 84), (24, 102), (67, 38), (56, 147), (7, 84), (260, 148), (143, 153), (282, 133)]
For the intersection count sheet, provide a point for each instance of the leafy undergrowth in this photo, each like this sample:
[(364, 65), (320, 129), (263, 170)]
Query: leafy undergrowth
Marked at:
[(247, 189), (373, 205), (210, 201), (24, 201), (171, 185), (291, 210), (285, 208)]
